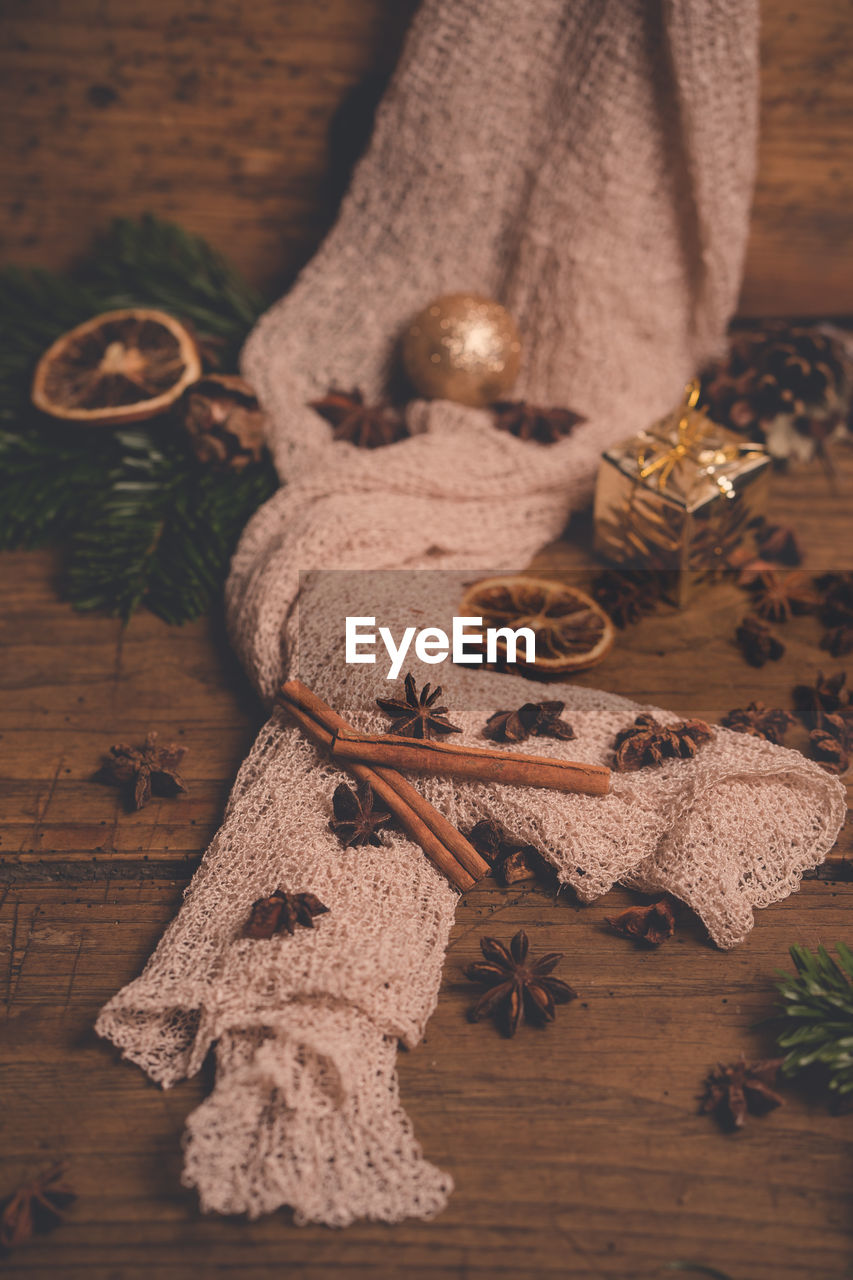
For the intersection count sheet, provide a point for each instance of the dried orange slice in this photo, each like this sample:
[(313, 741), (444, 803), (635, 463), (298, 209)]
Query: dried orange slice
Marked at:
[(121, 366), (572, 631)]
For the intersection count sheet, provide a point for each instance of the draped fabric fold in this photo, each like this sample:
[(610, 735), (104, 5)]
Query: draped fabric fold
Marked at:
[(591, 165)]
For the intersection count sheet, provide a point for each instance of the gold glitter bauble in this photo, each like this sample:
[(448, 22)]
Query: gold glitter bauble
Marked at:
[(462, 347)]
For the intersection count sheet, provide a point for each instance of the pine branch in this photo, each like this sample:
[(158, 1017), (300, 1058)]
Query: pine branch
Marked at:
[(47, 478), (35, 308), (816, 1018), (159, 264), (142, 521), (112, 548), (199, 536), (165, 530)]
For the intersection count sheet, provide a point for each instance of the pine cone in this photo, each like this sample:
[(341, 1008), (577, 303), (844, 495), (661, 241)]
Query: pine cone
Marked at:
[(224, 422), (784, 385)]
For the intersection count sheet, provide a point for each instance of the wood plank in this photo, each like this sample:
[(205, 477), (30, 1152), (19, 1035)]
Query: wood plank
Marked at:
[(241, 122), (800, 253), (73, 684), (576, 1152)]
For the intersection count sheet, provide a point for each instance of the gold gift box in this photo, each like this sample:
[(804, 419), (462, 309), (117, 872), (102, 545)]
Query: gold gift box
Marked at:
[(679, 498)]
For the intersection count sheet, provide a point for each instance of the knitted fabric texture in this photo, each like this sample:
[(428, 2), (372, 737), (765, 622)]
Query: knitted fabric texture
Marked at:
[(590, 164)]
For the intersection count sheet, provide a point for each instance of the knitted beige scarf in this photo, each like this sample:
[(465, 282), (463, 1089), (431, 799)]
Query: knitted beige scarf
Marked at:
[(590, 164)]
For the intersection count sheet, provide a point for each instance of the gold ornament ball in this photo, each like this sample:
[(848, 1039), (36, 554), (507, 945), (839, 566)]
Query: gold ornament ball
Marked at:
[(462, 347)]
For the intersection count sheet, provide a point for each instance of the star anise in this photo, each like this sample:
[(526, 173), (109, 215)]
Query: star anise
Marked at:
[(416, 715), (651, 924), (511, 859), (829, 751), (757, 642), (836, 608), (533, 422), (648, 742), (769, 723), (779, 596), (143, 771), (778, 542), (36, 1207), (516, 985), (281, 912), (814, 702), (838, 641), (748, 567), (489, 839), (533, 719), (836, 612), (840, 723), (628, 594), (357, 819), (368, 426), (732, 1091)]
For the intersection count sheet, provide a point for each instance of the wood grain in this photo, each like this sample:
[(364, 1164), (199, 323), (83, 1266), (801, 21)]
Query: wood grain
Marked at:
[(800, 253), (577, 1153), (242, 122)]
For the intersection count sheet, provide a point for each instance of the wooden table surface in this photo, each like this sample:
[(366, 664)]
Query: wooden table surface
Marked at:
[(577, 1152), (241, 121)]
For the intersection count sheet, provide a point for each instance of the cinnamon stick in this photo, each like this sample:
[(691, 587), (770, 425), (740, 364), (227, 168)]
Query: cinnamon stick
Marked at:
[(446, 847), (480, 763)]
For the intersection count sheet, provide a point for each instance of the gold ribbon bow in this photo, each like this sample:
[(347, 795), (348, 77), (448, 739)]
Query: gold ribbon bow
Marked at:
[(692, 429)]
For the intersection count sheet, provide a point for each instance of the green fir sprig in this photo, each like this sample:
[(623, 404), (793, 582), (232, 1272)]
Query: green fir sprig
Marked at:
[(815, 1023), (140, 520)]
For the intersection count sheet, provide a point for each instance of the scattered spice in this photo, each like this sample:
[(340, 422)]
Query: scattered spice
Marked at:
[(836, 612), (224, 421), (416, 715), (769, 723), (367, 426), (757, 642), (749, 568), (822, 709), (780, 596), (648, 742), (779, 542), (814, 702), (488, 837), (511, 859), (524, 863), (35, 1208), (533, 719), (840, 723), (829, 751), (838, 641), (533, 422), (281, 912), (144, 771), (627, 595), (741, 1087), (651, 924), (357, 818), (516, 985), (836, 597)]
